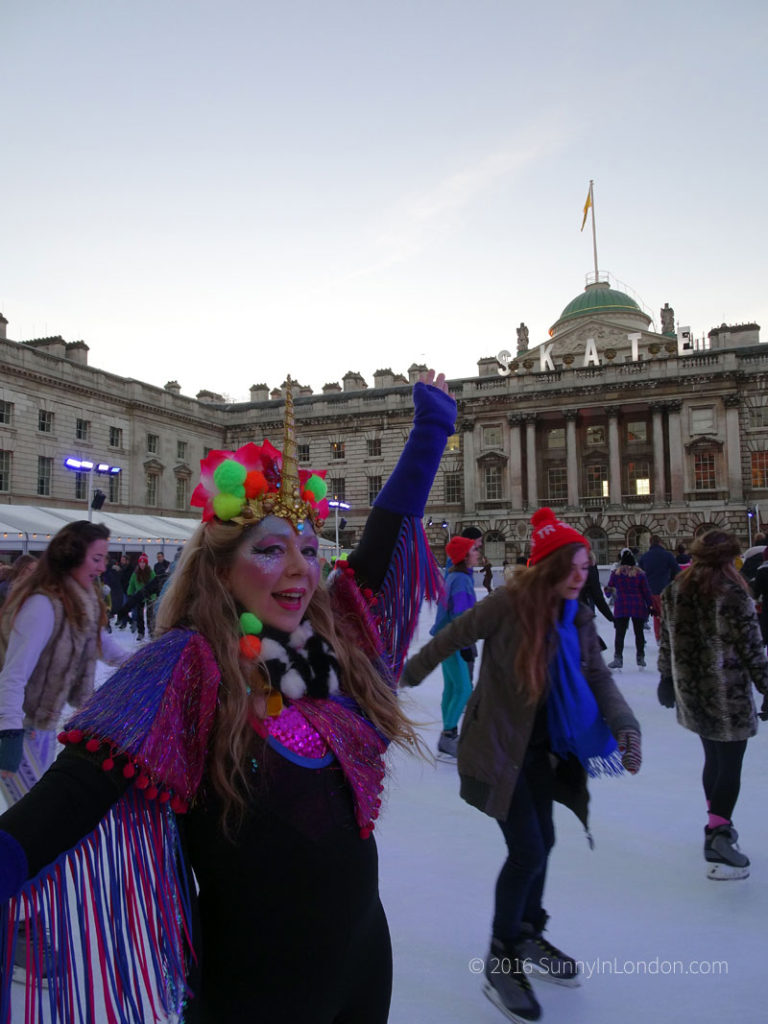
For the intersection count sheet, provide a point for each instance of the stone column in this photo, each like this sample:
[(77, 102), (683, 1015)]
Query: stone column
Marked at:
[(614, 457), (571, 456), (676, 464), (515, 461), (467, 431), (530, 452), (659, 480), (733, 448)]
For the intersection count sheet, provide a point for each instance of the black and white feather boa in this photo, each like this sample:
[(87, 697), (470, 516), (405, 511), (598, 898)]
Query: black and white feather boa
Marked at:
[(300, 663)]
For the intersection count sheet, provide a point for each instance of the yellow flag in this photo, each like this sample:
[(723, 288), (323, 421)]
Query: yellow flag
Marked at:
[(586, 208)]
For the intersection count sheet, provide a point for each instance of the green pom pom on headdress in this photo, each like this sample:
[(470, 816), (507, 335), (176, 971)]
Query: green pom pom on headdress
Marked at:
[(317, 487), (229, 477), (227, 506)]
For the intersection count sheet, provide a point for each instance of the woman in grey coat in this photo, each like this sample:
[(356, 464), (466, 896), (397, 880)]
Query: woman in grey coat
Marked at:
[(544, 713), (711, 653)]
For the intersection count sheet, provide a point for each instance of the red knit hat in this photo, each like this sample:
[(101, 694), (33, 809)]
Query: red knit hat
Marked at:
[(458, 548), (549, 534)]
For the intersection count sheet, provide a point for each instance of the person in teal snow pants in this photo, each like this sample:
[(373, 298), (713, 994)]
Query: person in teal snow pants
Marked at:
[(457, 668)]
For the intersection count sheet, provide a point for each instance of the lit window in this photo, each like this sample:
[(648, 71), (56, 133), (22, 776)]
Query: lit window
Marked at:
[(453, 443), (760, 469), (638, 478), (596, 481), (337, 450), (704, 471), (338, 488), (596, 434)]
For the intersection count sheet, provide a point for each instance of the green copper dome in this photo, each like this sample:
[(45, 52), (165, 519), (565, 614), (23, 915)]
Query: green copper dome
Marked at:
[(599, 298)]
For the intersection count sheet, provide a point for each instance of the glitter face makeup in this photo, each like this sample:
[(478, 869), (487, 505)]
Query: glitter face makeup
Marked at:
[(276, 571)]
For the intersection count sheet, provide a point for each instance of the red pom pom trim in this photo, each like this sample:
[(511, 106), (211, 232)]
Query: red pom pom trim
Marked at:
[(107, 764), (93, 745)]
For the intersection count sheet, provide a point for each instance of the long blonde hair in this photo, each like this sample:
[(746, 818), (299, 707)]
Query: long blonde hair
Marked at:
[(198, 597), (537, 606)]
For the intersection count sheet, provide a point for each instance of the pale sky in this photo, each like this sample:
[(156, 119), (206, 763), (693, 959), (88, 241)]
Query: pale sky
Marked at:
[(225, 192)]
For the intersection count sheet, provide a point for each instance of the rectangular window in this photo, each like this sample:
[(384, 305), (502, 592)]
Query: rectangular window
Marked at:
[(759, 469), (83, 430), (638, 478), (151, 481), (596, 481), (182, 492), (704, 471), (758, 417), (374, 486), (703, 420), (557, 482), (181, 452), (302, 452), (337, 489), (115, 437), (114, 488), (453, 444), (492, 437), (44, 475), (454, 489), (556, 437), (337, 450), (45, 421), (81, 486), (637, 430), (374, 447), (6, 413), (596, 434), (492, 483), (5, 471), (153, 443)]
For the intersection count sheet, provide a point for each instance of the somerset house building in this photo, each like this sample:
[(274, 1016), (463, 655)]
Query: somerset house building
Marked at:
[(625, 430)]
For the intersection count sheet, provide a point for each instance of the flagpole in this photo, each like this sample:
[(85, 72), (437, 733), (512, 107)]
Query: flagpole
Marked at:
[(594, 231)]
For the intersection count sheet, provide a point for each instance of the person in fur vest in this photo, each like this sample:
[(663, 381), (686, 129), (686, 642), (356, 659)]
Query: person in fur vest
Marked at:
[(51, 636), (711, 654)]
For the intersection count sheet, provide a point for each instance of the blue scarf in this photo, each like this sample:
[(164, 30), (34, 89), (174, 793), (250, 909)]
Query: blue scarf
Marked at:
[(574, 720)]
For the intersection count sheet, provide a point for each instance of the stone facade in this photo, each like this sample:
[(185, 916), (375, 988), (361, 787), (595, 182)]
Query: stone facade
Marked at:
[(622, 430)]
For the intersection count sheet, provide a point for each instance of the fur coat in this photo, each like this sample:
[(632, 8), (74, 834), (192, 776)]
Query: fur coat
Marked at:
[(712, 650)]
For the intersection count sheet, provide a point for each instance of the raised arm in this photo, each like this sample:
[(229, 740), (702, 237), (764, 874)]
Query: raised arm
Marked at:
[(393, 562)]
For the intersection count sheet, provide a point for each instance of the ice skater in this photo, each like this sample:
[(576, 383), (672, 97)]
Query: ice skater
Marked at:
[(245, 743), (544, 714), (710, 655)]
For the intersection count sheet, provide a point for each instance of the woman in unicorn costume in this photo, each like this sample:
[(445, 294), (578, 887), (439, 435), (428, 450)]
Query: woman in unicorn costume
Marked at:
[(246, 743)]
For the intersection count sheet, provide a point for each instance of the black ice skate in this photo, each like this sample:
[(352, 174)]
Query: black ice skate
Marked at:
[(618, 662), (547, 962), (725, 859), (507, 986)]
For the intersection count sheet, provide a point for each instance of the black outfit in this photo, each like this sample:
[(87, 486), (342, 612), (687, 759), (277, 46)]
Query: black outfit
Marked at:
[(721, 777), (760, 590)]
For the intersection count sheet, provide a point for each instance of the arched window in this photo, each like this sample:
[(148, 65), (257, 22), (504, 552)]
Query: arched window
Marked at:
[(639, 537)]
